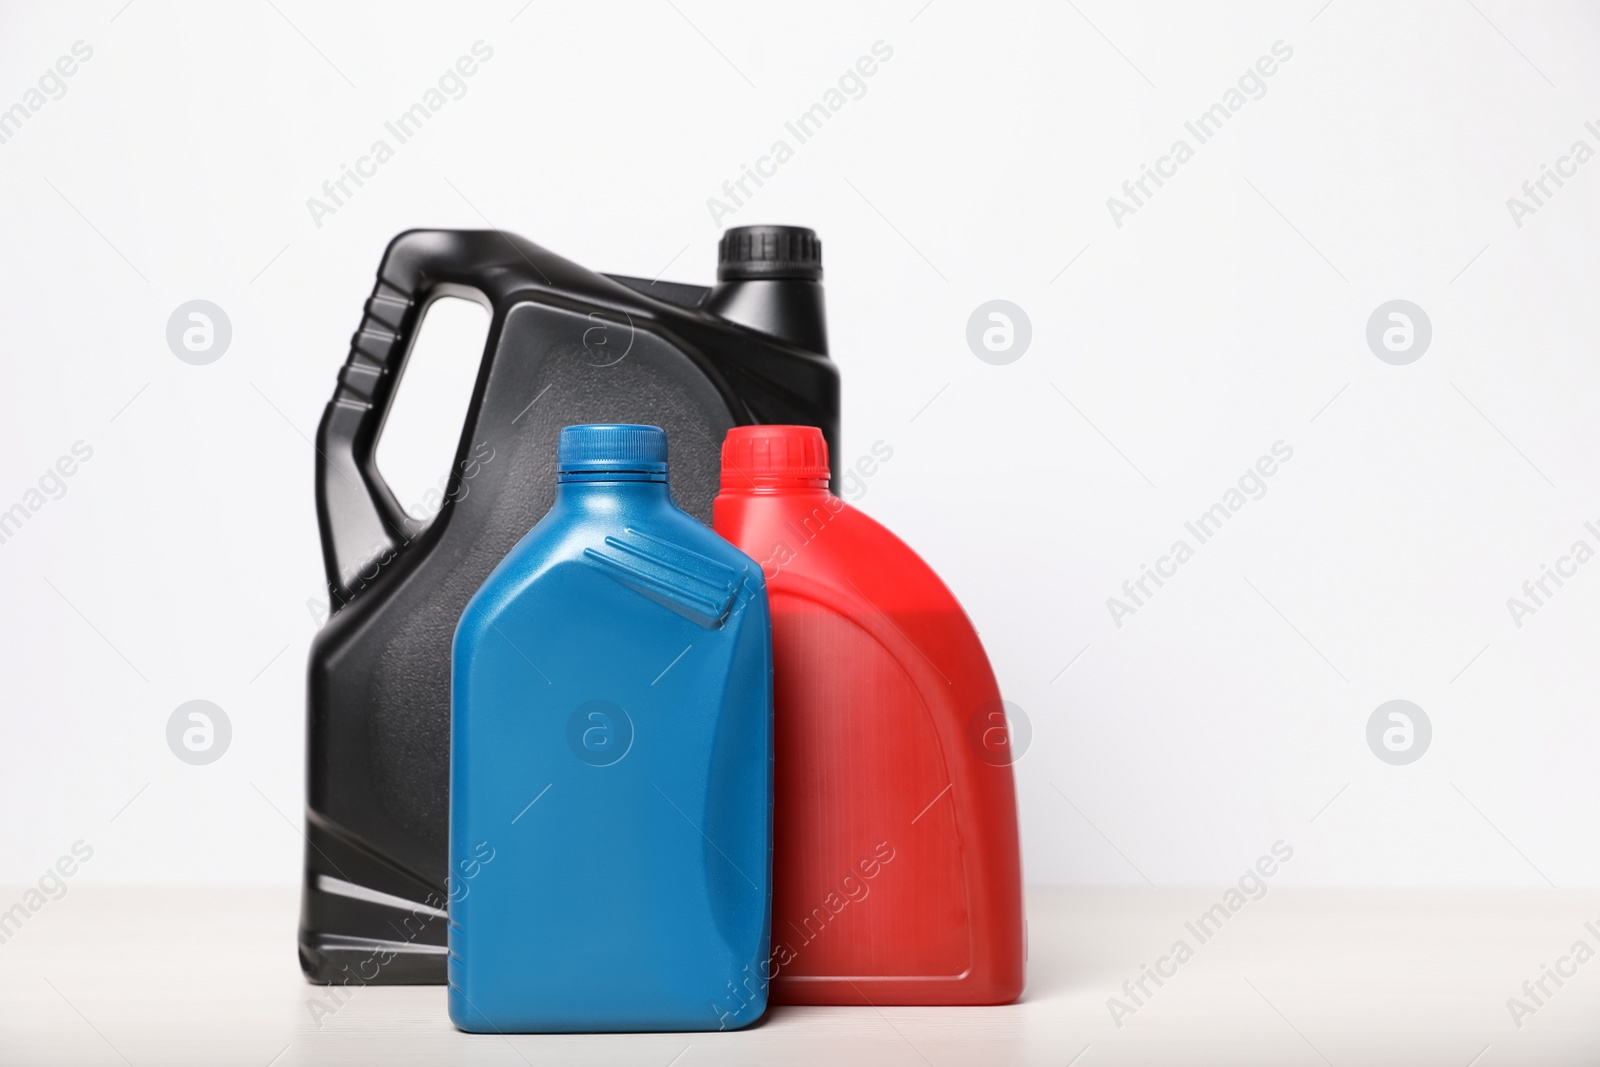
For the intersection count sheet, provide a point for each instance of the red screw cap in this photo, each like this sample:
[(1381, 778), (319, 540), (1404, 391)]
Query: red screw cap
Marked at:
[(763, 457)]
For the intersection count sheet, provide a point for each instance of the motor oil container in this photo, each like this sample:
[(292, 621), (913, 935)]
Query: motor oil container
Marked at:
[(896, 876), (611, 764), (565, 345)]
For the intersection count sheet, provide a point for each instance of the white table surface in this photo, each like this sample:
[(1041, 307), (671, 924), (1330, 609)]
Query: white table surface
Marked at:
[(209, 976)]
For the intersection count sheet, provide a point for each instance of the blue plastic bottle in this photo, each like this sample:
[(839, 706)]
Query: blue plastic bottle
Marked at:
[(611, 764)]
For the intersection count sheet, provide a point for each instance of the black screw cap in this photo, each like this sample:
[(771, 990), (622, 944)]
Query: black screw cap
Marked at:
[(751, 252)]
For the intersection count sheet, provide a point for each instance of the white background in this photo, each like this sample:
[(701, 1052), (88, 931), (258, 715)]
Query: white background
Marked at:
[(1225, 315)]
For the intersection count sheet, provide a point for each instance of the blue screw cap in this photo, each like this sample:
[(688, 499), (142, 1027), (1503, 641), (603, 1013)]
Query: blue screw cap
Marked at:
[(612, 448)]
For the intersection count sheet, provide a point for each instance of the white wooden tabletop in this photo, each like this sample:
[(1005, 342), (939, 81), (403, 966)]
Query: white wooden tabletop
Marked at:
[(209, 976)]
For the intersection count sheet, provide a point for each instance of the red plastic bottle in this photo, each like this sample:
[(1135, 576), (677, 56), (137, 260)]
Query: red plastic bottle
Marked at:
[(896, 875)]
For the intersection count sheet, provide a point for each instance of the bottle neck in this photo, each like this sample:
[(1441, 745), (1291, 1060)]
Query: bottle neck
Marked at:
[(760, 511), (765, 485), (790, 309), (593, 487)]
